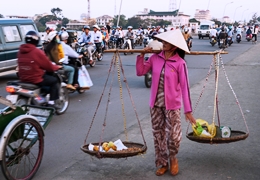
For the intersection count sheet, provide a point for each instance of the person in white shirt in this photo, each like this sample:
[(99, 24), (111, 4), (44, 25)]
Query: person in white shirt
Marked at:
[(97, 37), (239, 31), (255, 32), (119, 36), (69, 52), (87, 38), (213, 33)]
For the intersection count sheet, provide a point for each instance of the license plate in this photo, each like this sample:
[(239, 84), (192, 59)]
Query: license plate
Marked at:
[(12, 98), (221, 41)]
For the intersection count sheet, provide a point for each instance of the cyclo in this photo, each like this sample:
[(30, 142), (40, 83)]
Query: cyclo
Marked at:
[(22, 139)]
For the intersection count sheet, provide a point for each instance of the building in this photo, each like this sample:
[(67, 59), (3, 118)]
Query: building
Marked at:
[(226, 19), (52, 24), (202, 15), (176, 18), (76, 24), (103, 20), (160, 15)]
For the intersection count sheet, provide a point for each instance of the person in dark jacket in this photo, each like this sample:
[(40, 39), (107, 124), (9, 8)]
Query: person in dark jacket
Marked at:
[(34, 65)]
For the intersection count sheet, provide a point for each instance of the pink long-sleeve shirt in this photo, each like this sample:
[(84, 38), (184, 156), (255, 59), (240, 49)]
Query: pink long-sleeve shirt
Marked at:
[(176, 84)]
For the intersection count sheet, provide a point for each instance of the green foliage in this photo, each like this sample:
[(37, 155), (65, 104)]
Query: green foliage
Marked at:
[(122, 21), (134, 21), (47, 18), (65, 21), (1, 16)]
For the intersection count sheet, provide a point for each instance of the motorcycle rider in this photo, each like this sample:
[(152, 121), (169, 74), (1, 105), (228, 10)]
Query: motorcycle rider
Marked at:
[(213, 33), (45, 39), (249, 32), (230, 33), (239, 31), (119, 36), (69, 53), (130, 35), (55, 53), (34, 66), (97, 36), (88, 39), (222, 35), (187, 37)]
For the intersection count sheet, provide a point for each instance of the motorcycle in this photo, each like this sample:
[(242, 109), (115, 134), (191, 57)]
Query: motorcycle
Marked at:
[(112, 42), (222, 44), (249, 37), (127, 45), (82, 49), (139, 40), (148, 76), (27, 93), (238, 38), (229, 40), (189, 40), (146, 40), (213, 40)]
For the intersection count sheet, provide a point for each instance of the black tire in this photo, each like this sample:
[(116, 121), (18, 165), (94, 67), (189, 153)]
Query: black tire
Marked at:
[(93, 63), (126, 47), (148, 79), (23, 150), (202, 37), (199, 37), (63, 102)]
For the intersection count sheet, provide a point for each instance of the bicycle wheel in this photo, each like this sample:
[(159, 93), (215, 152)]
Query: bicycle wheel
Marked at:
[(23, 150)]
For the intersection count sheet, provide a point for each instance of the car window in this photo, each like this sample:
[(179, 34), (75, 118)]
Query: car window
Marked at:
[(25, 29), (11, 33)]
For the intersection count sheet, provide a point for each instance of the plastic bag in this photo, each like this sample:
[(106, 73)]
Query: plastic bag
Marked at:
[(84, 78), (203, 129)]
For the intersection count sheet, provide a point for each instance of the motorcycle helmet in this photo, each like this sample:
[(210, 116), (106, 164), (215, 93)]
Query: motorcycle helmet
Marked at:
[(32, 37), (186, 30), (86, 27), (95, 26), (222, 28), (129, 27), (63, 28), (52, 35), (64, 36), (47, 28)]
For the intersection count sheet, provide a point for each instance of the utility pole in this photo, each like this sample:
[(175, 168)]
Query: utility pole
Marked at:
[(119, 14)]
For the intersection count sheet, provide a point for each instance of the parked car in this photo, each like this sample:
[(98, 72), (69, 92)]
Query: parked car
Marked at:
[(12, 32)]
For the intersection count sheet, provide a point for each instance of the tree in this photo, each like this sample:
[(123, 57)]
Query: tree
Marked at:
[(134, 21), (57, 12), (64, 21), (254, 18), (122, 21), (47, 18), (1, 16), (162, 23)]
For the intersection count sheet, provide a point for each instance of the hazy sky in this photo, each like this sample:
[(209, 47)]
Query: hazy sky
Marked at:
[(73, 9)]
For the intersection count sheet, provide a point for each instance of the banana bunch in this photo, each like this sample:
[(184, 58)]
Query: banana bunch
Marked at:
[(106, 146)]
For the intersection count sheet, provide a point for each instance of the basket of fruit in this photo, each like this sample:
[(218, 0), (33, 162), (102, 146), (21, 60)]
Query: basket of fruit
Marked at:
[(117, 149)]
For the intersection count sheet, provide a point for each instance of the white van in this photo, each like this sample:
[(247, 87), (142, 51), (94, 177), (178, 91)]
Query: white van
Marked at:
[(204, 28)]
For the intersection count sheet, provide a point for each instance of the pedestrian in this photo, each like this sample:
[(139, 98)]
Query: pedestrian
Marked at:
[(170, 85), (108, 28), (255, 32)]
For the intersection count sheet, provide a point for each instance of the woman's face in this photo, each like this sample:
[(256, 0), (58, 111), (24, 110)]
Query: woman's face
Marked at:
[(168, 47)]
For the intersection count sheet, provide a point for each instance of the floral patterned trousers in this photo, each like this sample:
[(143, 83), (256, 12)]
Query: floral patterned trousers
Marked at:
[(167, 134)]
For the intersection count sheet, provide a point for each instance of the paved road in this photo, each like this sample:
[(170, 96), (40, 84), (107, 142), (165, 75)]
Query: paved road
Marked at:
[(65, 134)]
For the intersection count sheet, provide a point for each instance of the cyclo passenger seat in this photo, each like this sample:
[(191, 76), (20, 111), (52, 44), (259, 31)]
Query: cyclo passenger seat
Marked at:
[(24, 85)]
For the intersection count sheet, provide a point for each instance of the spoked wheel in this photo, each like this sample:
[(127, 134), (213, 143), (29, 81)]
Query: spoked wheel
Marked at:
[(126, 47), (148, 79), (93, 63), (100, 58), (63, 101), (23, 150)]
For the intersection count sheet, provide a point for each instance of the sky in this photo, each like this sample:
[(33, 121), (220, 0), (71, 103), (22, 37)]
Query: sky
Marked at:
[(73, 9)]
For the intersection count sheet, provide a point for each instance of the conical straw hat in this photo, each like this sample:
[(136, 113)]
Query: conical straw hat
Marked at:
[(175, 38)]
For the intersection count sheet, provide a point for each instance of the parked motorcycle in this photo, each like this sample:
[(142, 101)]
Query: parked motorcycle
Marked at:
[(249, 37), (26, 93), (213, 40), (238, 38)]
